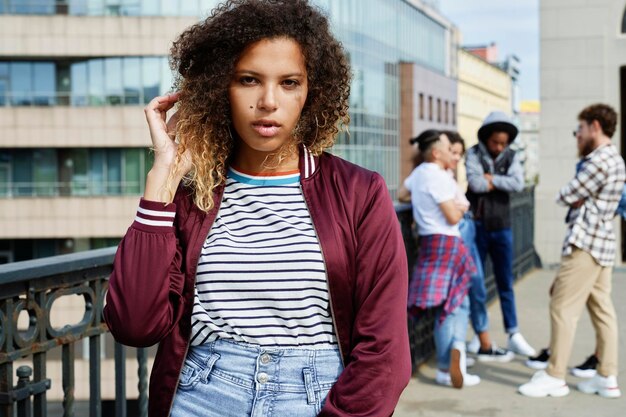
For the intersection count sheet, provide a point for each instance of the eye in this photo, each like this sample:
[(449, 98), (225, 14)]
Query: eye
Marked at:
[(290, 84), (247, 80)]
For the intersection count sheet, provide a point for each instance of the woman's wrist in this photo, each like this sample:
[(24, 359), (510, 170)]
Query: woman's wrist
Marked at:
[(157, 185)]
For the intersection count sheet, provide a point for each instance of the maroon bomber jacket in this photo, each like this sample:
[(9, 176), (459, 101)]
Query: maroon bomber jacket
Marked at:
[(150, 295)]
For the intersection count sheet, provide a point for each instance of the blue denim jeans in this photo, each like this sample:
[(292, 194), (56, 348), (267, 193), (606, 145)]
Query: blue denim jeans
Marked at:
[(498, 244), (477, 290), (452, 329), (225, 378)]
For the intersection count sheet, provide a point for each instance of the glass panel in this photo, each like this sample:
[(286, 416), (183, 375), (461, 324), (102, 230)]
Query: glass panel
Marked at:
[(80, 177), (21, 83), (45, 84), (113, 81), (97, 165), (113, 7), (78, 7), (95, 68), (150, 7), (166, 77), (45, 171), (151, 78), (189, 8), (22, 172), (114, 171), (79, 83), (132, 80), (131, 7), (95, 7), (5, 179), (4, 91), (169, 7), (132, 170)]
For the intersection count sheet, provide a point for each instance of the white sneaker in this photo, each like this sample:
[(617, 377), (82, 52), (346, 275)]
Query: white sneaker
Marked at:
[(519, 345), (468, 380), (443, 378), (543, 385), (474, 345), (605, 387)]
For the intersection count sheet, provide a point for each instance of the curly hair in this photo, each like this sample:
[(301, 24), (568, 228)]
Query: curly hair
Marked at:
[(604, 114), (204, 57)]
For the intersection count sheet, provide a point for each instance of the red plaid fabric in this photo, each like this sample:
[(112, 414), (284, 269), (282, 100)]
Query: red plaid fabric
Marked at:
[(442, 273)]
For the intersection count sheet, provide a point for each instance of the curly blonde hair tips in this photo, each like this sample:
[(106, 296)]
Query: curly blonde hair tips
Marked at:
[(204, 57)]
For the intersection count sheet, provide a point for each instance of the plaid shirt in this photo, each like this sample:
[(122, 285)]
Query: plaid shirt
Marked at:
[(442, 273), (599, 184)]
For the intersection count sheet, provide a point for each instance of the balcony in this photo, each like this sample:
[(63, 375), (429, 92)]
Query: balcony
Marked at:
[(32, 332)]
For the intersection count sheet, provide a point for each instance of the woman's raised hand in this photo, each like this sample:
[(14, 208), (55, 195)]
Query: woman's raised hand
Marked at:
[(163, 135)]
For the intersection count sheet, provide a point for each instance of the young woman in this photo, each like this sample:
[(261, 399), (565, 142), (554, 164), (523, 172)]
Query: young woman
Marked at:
[(272, 275), (481, 344), (444, 266)]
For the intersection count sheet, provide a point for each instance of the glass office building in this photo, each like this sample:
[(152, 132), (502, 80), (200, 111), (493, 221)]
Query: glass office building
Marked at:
[(378, 35)]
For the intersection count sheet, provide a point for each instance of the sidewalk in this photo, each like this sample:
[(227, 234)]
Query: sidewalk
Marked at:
[(496, 395)]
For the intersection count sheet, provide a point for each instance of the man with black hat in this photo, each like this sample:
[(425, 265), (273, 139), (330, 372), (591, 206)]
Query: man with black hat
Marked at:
[(494, 172)]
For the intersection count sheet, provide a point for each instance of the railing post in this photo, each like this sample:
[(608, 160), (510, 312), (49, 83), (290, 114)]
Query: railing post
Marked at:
[(23, 381), (120, 380), (142, 385), (68, 379)]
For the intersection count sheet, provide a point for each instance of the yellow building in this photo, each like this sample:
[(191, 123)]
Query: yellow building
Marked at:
[(483, 87)]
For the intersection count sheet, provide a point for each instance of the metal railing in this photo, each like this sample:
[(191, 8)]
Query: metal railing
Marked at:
[(33, 287), (524, 259)]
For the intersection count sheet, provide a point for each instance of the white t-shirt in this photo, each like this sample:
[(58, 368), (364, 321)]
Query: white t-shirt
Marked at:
[(430, 186)]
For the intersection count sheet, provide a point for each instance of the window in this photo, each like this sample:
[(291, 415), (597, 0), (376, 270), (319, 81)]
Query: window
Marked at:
[(421, 106), (624, 22), (4, 83), (445, 112), (454, 114), (73, 171), (438, 110), (132, 80), (430, 108)]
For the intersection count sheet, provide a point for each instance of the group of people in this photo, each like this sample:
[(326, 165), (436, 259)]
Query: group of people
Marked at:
[(458, 230), (457, 233), (272, 274)]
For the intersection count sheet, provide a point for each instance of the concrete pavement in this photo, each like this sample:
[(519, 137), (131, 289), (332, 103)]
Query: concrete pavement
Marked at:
[(496, 395)]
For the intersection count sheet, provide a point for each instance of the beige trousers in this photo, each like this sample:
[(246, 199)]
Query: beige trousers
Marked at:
[(581, 281)]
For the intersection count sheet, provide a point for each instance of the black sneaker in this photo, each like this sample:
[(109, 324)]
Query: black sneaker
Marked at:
[(540, 361), (587, 369), (494, 354)]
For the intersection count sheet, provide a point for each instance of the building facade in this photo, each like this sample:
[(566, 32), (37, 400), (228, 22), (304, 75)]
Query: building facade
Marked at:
[(74, 76), (583, 61)]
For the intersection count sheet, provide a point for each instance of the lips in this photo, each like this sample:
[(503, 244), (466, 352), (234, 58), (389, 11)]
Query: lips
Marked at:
[(266, 128)]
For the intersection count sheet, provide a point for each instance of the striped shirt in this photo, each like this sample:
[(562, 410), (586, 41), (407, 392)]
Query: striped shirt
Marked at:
[(261, 278), (599, 183)]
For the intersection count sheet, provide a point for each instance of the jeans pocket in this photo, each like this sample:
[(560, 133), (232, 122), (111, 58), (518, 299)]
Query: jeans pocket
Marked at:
[(195, 369)]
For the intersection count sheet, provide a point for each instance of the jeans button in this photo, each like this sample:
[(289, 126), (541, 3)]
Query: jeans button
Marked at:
[(265, 359), (262, 378)]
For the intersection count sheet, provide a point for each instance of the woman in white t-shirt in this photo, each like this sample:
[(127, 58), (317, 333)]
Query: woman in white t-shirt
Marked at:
[(444, 266)]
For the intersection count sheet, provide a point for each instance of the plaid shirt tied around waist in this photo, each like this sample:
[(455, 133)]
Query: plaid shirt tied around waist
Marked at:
[(442, 273)]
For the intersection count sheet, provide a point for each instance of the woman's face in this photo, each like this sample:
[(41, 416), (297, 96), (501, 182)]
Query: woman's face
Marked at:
[(267, 93), (457, 154)]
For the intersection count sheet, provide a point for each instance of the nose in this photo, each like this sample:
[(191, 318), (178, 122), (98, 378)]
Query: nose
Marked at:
[(268, 100)]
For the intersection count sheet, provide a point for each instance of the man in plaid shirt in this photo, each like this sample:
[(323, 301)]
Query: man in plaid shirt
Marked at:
[(584, 278)]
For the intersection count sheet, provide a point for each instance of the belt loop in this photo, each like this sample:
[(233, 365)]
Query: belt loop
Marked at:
[(308, 385)]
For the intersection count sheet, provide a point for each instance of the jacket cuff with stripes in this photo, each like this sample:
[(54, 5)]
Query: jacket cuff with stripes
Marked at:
[(155, 216)]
